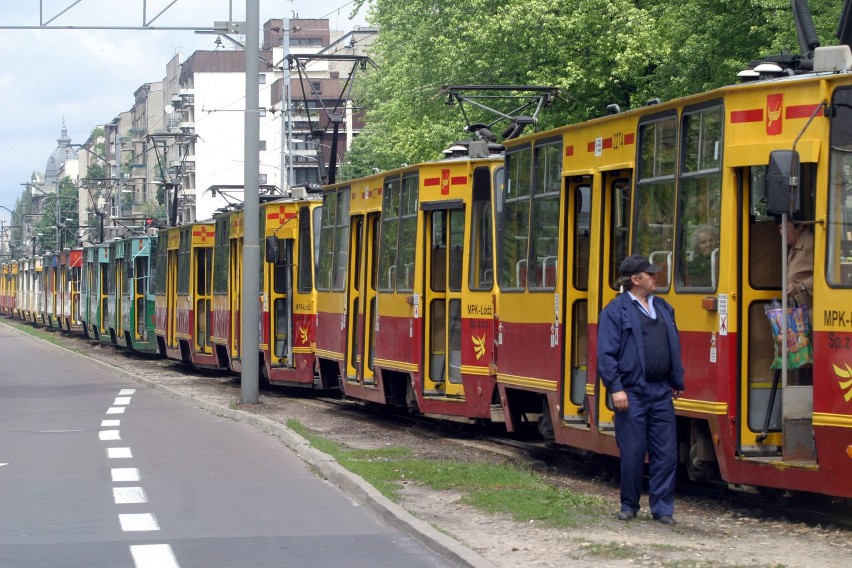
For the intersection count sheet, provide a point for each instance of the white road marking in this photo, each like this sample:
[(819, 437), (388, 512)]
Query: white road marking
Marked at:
[(60, 431), (2, 464), (125, 474), (109, 435), (153, 556), (126, 392), (116, 410), (108, 423), (138, 522), (129, 495), (121, 401), (117, 453)]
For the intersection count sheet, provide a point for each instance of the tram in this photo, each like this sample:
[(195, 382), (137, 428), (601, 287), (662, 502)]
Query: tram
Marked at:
[(405, 282), (289, 229), (183, 294), (649, 181)]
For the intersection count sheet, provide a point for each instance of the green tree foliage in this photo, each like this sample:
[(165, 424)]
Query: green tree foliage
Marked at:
[(68, 214), (597, 52)]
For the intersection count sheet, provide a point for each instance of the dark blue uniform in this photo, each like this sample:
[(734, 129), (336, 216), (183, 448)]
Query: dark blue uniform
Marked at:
[(648, 425)]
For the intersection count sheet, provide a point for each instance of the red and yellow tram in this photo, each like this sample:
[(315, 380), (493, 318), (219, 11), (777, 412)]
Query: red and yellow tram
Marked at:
[(405, 286)]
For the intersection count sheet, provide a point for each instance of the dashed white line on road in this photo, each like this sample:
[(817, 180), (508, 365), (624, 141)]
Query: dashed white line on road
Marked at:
[(121, 401), (118, 453), (110, 423), (125, 474), (109, 435), (129, 495), (116, 409), (138, 522), (153, 556), (126, 392)]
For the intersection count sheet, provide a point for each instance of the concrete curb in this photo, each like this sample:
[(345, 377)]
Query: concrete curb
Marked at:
[(353, 485)]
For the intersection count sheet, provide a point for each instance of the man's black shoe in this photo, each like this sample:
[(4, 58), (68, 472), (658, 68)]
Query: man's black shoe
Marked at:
[(666, 520), (627, 515)]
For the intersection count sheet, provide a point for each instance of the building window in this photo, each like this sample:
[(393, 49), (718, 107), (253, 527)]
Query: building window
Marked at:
[(261, 78), (262, 145)]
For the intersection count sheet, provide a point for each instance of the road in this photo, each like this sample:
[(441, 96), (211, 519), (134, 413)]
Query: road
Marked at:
[(99, 471)]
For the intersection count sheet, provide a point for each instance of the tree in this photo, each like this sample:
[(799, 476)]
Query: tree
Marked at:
[(597, 52), (67, 200)]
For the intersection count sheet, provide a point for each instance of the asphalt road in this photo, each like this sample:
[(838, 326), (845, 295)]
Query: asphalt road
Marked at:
[(99, 471)]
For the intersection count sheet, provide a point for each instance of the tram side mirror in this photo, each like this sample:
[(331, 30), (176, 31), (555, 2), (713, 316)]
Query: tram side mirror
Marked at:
[(782, 182), (272, 249)]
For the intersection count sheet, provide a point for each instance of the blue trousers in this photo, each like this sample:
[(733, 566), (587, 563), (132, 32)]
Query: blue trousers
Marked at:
[(648, 426)]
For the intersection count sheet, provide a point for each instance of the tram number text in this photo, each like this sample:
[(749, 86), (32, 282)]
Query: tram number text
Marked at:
[(474, 310), (837, 318), (838, 343)]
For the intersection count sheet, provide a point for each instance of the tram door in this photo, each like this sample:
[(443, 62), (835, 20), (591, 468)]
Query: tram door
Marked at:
[(140, 293), (203, 298), (445, 230), (577, 243), (778, 414), (614, 247), (362, 298), (281, 314), (171, 292), (236, 286)]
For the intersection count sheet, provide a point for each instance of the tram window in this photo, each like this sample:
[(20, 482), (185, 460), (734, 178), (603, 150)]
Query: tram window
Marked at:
[(407, 234), (390, 235), (221, 252), (582, 240), (456, 248), (653, 228), (316, 231), (183, 262), (280, 269), (341, 250), (438, 269), (699, 199), (839, 247), (619, 226), (544, 233), (514, 220), (160, 285), (305, 282), (325, 251), (481, 269)]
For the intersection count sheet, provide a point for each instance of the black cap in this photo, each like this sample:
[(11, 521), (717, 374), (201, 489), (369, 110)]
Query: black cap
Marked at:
[(636, 263)]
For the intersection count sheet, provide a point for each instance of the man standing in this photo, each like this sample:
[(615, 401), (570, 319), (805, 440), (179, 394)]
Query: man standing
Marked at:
[(639, 363)]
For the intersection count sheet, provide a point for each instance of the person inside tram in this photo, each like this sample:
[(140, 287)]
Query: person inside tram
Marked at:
[(699, 270), (800, 259)]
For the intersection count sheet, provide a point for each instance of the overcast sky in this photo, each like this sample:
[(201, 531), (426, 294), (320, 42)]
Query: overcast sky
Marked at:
[(88, 77)]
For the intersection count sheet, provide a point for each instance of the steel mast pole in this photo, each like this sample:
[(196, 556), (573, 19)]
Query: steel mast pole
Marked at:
[(249, 340)]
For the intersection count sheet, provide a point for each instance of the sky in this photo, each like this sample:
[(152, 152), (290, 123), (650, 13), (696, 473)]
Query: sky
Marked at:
[(86, 77)]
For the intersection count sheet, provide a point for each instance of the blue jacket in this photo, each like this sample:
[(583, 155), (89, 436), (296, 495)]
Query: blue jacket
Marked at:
[(621, 351)]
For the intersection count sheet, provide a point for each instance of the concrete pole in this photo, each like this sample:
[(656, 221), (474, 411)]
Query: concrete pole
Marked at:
[(250, 342)]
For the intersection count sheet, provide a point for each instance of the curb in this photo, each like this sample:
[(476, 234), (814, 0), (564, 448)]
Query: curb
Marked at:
[(353, 485)]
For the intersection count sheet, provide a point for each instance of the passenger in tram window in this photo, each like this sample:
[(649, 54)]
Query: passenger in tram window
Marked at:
[(639, 363), (699, 270), (800, 259)]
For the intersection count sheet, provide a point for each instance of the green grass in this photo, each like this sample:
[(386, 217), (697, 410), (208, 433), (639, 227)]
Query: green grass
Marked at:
[(503, 488)]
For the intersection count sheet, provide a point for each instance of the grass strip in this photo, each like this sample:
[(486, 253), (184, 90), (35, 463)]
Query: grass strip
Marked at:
[(508, 488)]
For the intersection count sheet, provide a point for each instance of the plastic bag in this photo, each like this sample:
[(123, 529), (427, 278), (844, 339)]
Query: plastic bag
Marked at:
[(799, 348)]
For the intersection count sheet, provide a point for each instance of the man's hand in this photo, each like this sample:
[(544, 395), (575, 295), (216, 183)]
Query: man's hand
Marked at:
[(619, 401), (676, 393)]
